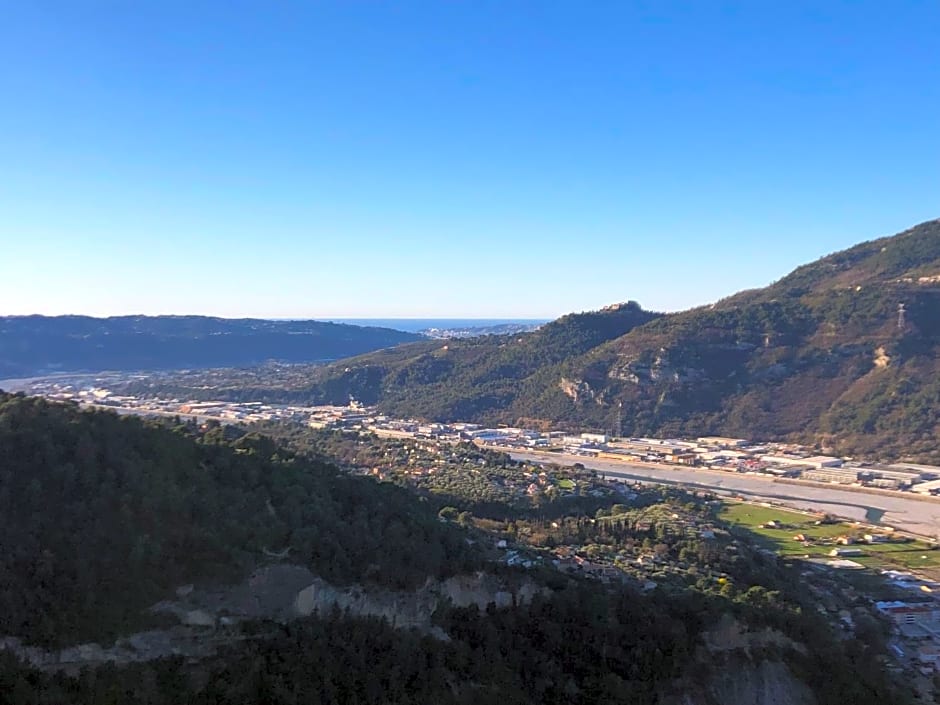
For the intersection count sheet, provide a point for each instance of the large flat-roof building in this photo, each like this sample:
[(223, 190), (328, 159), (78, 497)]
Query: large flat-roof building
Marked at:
[(931, 487), (814, 461), (844, 476), (909, 612), (722, 441), (926, 472), (880, 476)]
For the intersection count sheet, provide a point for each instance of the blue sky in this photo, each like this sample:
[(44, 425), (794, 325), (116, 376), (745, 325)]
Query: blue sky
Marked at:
[(462, 159)]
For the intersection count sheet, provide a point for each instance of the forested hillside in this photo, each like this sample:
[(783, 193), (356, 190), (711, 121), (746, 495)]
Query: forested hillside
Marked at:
[(33, 345), (582, 646), (822, 355), (102, 516), (465, 379)]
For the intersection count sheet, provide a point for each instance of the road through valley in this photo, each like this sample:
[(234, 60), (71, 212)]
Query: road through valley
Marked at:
[(908, 513)]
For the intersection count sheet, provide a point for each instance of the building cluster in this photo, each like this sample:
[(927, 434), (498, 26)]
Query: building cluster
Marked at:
[(916, 626)]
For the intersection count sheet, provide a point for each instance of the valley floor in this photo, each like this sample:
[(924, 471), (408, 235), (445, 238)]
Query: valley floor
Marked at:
[(915, 515)]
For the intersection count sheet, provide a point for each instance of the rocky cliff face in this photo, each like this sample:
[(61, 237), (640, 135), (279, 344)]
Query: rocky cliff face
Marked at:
[(733, 668), (284, 592), (729, 635), (745, 682), (279, 592), (412, 609)]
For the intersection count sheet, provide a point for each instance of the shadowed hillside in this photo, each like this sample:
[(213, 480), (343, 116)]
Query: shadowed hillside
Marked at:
[(103, 515)]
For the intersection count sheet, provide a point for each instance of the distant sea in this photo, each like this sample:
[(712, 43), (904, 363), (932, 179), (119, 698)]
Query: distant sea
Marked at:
[(413, 325)]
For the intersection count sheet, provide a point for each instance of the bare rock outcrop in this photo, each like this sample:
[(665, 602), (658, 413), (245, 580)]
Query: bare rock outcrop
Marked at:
[(413, 609), (734, 669), (279, 592)]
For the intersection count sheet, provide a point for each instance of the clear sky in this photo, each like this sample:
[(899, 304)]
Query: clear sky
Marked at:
[(461, 159)]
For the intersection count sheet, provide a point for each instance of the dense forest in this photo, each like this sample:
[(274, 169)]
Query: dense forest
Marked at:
[(821, 356), (103, 515), (34, 345)]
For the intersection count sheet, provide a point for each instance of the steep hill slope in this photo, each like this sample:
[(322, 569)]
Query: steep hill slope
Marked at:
[(466, 379), (103, 515), (821, 355), (32, 345)]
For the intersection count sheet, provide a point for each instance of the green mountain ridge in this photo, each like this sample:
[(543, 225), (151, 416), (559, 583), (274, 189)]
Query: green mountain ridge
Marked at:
[(819, 356)]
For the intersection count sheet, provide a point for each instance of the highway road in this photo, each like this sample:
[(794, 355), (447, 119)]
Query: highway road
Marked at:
[(906, 513)]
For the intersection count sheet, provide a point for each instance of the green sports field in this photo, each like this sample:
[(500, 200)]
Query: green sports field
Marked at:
[(754, 517)]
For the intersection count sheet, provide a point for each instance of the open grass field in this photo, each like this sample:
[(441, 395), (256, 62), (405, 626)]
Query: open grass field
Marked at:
[(754, 517), (899, 556)]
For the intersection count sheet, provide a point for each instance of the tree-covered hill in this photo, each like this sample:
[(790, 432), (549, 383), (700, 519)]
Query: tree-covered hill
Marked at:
[(101, 516), (464, 379), (32, 345), (818, 355)]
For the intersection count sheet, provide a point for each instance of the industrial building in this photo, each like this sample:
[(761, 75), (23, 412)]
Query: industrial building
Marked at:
[(722, 442), (932, 487), (815, 461), (925, 472), (844, 476)]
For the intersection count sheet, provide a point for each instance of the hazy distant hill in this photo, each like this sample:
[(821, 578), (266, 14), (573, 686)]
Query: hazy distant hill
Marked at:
[(819, 354), (31, 345), (464, 331)]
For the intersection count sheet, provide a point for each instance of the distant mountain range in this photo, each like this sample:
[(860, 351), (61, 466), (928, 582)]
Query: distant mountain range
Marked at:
[(34, 345), (844, 352), (450, 327)]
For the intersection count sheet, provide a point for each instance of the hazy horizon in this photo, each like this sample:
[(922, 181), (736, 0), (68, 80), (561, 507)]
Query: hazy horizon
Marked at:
[(323, 319)]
